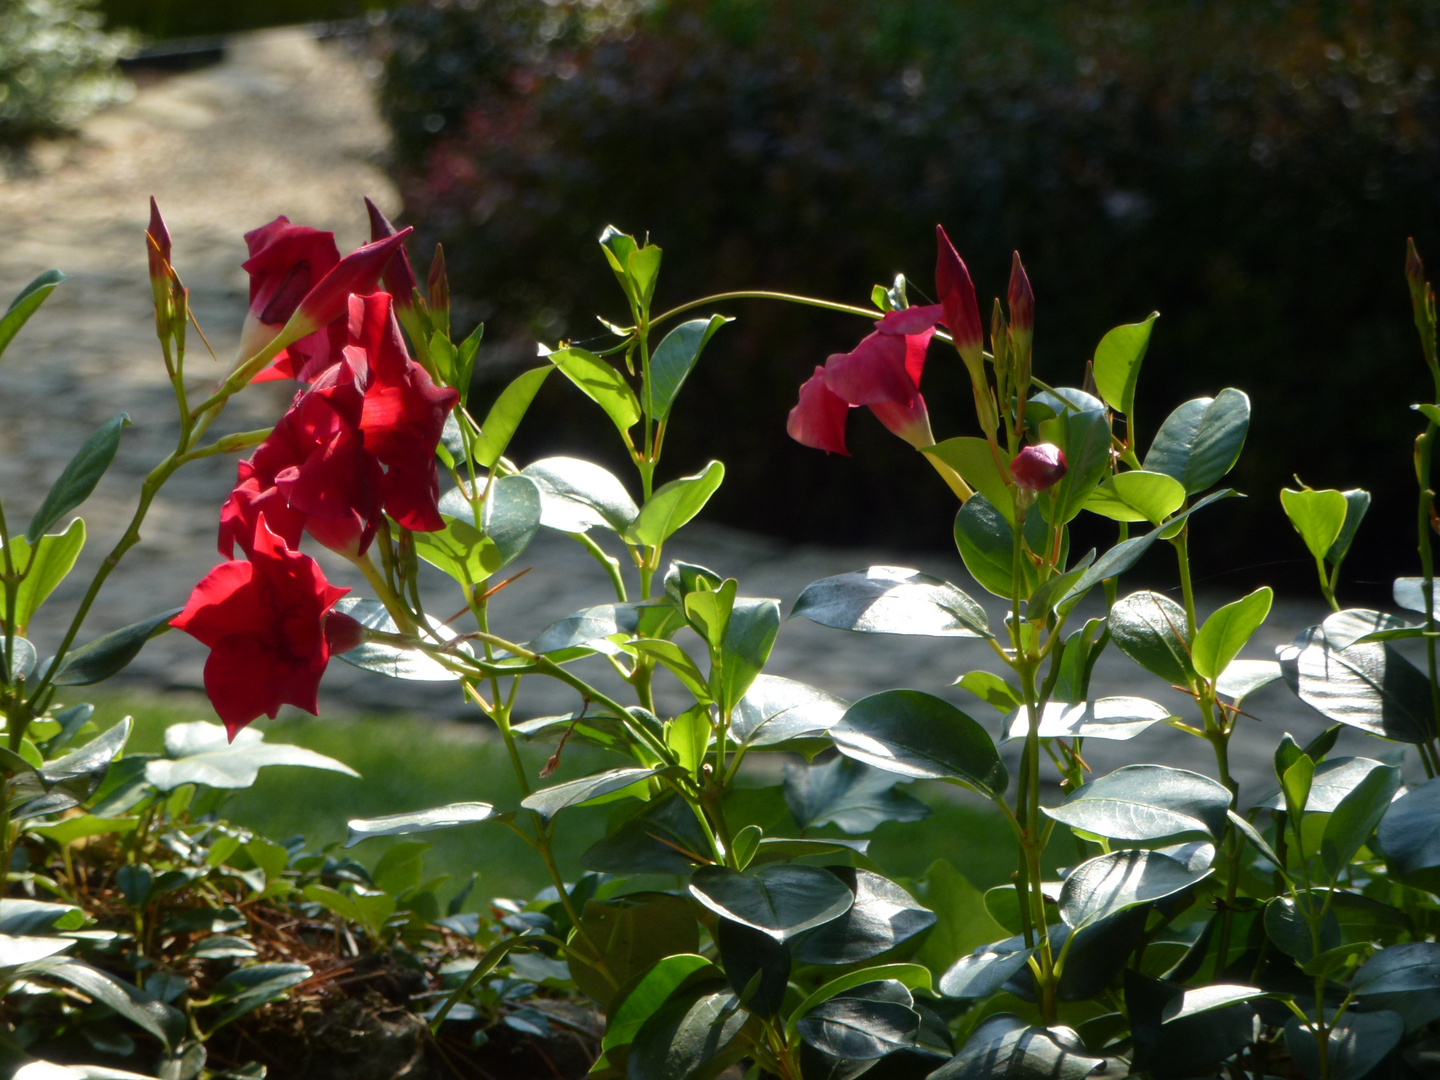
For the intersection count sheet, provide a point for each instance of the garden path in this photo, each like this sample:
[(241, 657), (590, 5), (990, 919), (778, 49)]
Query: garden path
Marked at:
[(288, 125)]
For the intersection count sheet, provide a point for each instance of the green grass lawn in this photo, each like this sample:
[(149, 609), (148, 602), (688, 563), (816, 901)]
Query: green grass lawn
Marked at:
[(410, 763)]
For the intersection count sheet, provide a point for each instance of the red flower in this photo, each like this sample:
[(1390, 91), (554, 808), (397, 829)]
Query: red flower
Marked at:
[(264, 622), (1036, 468), (882, 372), (399, 278), (286, 261), (158, 249), (957, 297)]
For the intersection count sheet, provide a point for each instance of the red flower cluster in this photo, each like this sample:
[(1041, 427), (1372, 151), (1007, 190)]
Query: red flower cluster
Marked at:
[(883, 371), (358, 442)]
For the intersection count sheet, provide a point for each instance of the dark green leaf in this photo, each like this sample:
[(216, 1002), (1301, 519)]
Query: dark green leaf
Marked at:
[(1085, 439), (658, 840), (105, 656), (1146, 802), (1200, 441), (78, 774), (577, 496), (1356, 816), (389, 660), (1005, 1046), (26, 304), (587, 627), (673, 359), (505, 415), (781, 901), (628, 936), (846, 793), (1357, 502), (1117, 363), (1405, 979), (1371, 687), (1203, 999), (1191, 1046), (919, 735), (986, 970), (1357, 1043), (1150, 629), (164, 1022), (1119, 880), (749, 636), (19, 917), (418, 821), (883, 917), (548, 802), (892, 600), (78, 479), (757, 966), (687, 1033), (1409, 835), (674, 504), (864, 1024), (245, 990), (986, 544)]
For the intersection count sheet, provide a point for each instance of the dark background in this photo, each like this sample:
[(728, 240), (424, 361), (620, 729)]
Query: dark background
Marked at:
[(1250, 168)]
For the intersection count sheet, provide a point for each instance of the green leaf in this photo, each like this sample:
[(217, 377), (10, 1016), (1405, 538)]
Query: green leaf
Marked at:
[(859, 1027), (97, 660), (1201, 440), (674, 358), (973, 459), (883, 917), (618, 247), (674, 504), (1357, 502), (757, 966), (1371, 687), (1332, 781), (1005, 1046), (26, 304), (963, 923), (1150, 629), (1137, 495), (470, 555), (776, 710), (1241, 678), (1085, 438), (19, 917), (1257, 841), (1409, 835), (78, 479), (247, 989), (390, 660), (1202, 999), (1295, 783), (749, 636), (708, 612), (643, 266), (1356, 817), (1117, 363), (164, 1022), (892, 600), (627, 936), (991, 689), (850, 795), (910, 976), (921, 736), (1146, 802), (1318, 516), (547, 802), (1113, 882), (986, 970), (576, 496), (986, 544), (654, 841), (598, 380), (587, 627), (1355, 1045), (199, 753), (637, 1001), (1228, 630), (689, 1032), (1405, 979), (678, 661), (506, 413), (1114, 718), (418, 821), (45, 566), (779, 900)]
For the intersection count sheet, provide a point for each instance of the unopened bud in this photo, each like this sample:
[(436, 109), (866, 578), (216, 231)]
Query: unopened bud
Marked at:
[(439, 291), (399, 278), (1000, 349), (1422, 300), (1038, 468), (343, 633), (956, 293), (157, 250)]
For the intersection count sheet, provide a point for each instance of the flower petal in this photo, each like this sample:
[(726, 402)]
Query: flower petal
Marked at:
[(818, 419)]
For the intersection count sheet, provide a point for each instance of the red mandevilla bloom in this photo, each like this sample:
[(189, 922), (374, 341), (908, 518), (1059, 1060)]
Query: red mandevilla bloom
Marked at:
[(265, 624), (399, 278), (1037, 468), (286, 261)]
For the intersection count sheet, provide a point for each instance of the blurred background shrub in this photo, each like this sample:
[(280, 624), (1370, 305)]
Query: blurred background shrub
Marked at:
[(56, 66), (161, 19), (1251, 168)]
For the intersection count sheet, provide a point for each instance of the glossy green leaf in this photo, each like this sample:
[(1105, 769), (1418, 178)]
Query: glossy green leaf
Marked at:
[(1111, 883), (757, 966), (1355, 817), (78, 479), (848, 794), (163, 1021), (921, 736), (200, 753), (1117, 363), (627, 936), (1332, 780), (1360, 626), (1371, 687), (45, 566), (1150, 629), (26, 303), (643, 266), (248, 988), (1196, 1043), (1227, 631), (658, 840), (1409, 594), (1355, 1045), (577, 496), (985, 971), (776, 710), (689, 1032), (547, 802), (973, 459), (1146, 802), (598, 380), (1201, 440), (911, 976), (512, 512), (1256, 840), (1241, 678), (1003, 1045), (587, 627), (1201, 999), (883, 917), (780, 900), (637, 1001), (418, 821), (1137, 495), (674, 358), (1317, 516), (1114, 718), (678, 662), (618, 247), (892, 600), (392, 661), (1409, 835), (1405, 979), (749, 636), (97, 660), (1085, 438), (1357, 502), (674, 504), (985, 541), (963, 924), (991, 689), (19, 917), (862, 1024), (505, 415)]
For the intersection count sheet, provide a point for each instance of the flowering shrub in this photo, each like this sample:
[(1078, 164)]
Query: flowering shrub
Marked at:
[(1196, 929)]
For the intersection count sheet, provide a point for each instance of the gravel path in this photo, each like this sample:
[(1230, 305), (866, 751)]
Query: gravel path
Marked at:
[(287, 125)]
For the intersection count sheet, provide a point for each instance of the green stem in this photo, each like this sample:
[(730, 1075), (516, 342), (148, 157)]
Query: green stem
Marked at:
[(761, 294)]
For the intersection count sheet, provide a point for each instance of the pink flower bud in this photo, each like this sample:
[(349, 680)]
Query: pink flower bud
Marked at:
[(158, 248), (343, 633), (1037, 468), (439, 284), (957, 297), (1414, 268), (399, 278), (357, 273), (1022, 300)]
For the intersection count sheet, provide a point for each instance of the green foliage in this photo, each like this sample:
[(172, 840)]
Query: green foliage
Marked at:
[(56, 66)]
